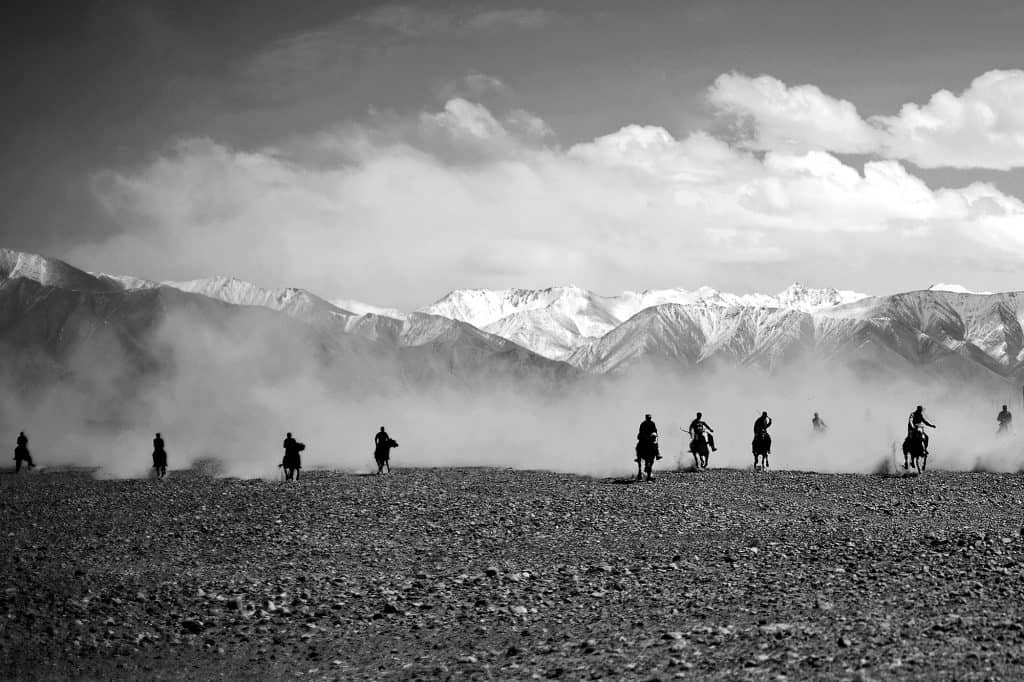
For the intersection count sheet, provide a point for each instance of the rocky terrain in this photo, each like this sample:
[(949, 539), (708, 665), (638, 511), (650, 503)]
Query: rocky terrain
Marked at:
[(502, 574)]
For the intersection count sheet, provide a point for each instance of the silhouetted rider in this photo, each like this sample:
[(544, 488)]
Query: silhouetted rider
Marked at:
[(761, 426), (818, 423), (382, 444), (21, 453), (917, 422), (645, 435), (697, 427), (1005, 420), (159, 456), (292, 460)]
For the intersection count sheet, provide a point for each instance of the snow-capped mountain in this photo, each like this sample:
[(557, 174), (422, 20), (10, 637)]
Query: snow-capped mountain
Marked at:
[(51, 313), (560, 331), (290, 300), (559, 321), (49, 272)]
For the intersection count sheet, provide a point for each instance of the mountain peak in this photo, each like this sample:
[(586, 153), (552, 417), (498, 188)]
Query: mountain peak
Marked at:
[(48, 272)]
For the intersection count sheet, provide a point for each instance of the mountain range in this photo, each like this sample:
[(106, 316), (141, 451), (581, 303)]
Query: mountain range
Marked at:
[(559, 333)]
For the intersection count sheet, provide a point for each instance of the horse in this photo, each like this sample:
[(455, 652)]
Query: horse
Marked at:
[(382, 454), (160, 462), (914, 453), (646, 453), (699, 450), (292, 462), (761, 446), (21, 454)]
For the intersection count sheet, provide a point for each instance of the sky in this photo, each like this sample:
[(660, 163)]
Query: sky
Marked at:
[(393, 152)]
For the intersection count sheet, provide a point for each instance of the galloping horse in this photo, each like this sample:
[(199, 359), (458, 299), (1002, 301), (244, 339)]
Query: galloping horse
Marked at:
[(382, 454), (292, 462), (699, 450), (761, 446), (646, 452), (21, 454), (914, 451), (160, 462)]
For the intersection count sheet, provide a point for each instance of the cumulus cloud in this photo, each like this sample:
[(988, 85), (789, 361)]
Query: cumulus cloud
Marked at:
[(982, 127), (773, 115), (397, 210)]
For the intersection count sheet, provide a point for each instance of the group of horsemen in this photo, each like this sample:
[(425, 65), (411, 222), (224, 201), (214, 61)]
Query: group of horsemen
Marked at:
[(291, 463), (702, 437)]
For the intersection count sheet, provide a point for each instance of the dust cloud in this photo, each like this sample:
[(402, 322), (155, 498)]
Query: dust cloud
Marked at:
[(231, 391)]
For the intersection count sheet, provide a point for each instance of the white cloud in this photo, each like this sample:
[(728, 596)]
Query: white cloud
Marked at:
[(982, 127), (795, 118), (398, 210)]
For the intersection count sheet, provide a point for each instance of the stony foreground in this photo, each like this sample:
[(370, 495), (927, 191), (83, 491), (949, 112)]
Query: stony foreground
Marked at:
[(498, 574)]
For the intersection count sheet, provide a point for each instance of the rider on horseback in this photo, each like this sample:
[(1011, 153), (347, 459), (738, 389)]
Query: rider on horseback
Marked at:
[(1005, 420), (646, 435), (159, 456), (21, 453), (292, 460), (697, 428), (761, 426), (382, 444), (916, 424)]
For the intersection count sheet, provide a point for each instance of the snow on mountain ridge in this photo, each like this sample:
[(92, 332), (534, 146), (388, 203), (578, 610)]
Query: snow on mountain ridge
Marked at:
[(964, 335), (360, 308), (957, 289), (48, 272), (239, 292), (557, 321)]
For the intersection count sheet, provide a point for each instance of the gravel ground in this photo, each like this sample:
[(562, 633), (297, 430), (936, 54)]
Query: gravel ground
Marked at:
[(499, 574)]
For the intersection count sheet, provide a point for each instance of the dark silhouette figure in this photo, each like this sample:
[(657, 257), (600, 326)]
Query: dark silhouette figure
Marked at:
[(21, 453), (159, 457), (916, 423), (699, 427), (761, 446), (292, 461), (699, 450), (818, 424), (914, 452), (1005, 420), (646, 447), (382, 444)]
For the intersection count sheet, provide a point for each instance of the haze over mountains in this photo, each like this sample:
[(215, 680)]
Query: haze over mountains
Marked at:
[(556, 333)]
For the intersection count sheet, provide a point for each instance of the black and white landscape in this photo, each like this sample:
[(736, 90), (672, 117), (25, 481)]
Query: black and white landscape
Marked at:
[(503, 233), (99, 360)]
